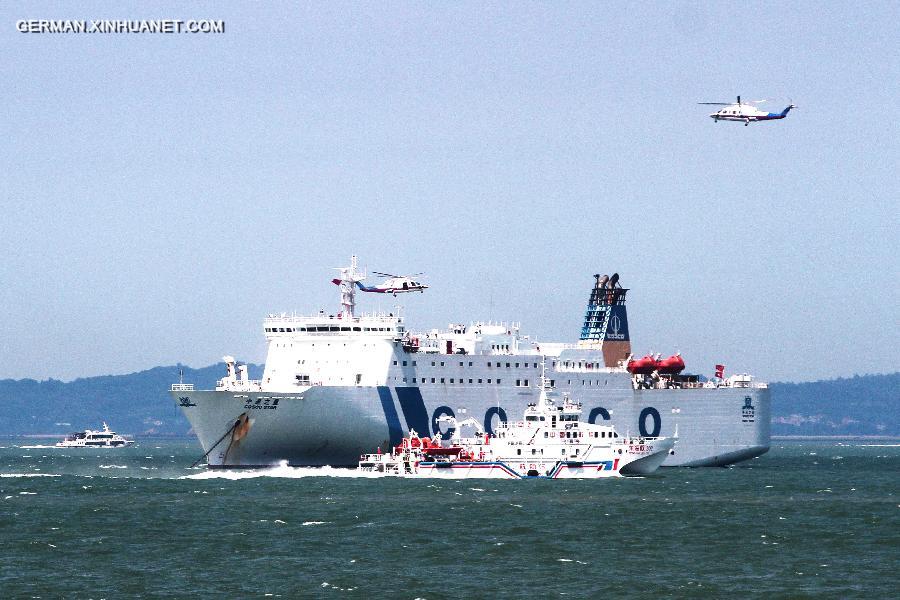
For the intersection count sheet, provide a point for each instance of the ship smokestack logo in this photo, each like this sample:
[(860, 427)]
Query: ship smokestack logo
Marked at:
[(748, 412), (615, 323)]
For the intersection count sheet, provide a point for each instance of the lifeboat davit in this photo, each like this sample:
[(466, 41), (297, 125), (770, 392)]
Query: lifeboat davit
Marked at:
[(641, 366), (672, 365)]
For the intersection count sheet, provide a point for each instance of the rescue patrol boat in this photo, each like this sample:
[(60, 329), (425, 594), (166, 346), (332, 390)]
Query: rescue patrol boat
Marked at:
[(551, 441)]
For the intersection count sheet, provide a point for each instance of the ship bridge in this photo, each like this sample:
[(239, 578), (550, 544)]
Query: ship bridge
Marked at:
[(294, 326)]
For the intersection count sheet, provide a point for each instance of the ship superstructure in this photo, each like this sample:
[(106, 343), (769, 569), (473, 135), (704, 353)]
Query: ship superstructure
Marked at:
[(336, 385)]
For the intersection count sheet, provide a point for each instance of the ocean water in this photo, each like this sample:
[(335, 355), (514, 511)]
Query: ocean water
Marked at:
[(807, 520)]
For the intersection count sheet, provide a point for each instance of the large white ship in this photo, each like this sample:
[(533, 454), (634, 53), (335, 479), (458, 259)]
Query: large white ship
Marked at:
[(336, 386)]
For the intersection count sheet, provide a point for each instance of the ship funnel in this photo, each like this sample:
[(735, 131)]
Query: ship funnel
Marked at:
[(606, 322)]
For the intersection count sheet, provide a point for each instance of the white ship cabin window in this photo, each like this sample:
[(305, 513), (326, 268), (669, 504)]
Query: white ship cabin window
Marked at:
[(404, 363), (546, 434), (552, 383), (470, 364), (488, 381), (460, 363), (432, 363), (479, 381), (489, 363), (533, 451), (451, 380), (432, 380), (395, 363), (404, 380), (531, 418), (358, 378), (535, 365), (518, 383), (498, 382), (517, 365), (442, 363), (519, 451), (470, 381), (442, 380), (526, 383), (414, 363), (357, 329)]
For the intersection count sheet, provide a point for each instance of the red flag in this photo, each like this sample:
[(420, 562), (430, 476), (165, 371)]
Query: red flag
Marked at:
[(720, 371)]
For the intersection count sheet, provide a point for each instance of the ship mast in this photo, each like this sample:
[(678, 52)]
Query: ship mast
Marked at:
[(349, 278)]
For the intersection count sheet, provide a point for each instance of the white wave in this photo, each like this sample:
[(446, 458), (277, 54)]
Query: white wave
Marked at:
[(113, 466), (28, 475), (281, 471), (37, 446), (315, 522), (879, 445)]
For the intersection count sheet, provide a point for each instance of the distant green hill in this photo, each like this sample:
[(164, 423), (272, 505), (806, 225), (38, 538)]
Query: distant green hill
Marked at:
[(139, 404), (859, 405)]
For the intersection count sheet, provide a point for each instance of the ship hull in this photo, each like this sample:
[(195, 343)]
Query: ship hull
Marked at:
[(334, 425)]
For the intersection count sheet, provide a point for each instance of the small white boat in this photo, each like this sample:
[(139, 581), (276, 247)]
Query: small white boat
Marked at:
[(550, 442), (90, 438)]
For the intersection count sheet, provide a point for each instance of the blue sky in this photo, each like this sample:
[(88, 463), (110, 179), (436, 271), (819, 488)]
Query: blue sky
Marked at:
[(162, 193)]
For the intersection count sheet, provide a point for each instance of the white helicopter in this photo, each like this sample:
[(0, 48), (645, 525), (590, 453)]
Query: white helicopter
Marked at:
[(394, 284), (745, 112)]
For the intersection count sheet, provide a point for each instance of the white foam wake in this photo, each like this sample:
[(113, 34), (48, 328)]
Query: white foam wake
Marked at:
[(281, 471), (28, 475)]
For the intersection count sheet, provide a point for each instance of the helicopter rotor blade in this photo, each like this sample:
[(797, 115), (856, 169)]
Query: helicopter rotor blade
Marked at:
[(717, 103), (385, 274)]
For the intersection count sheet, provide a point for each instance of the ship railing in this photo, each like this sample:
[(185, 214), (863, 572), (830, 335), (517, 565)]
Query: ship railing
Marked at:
[(182, 387), (239, 385), (332, 319)]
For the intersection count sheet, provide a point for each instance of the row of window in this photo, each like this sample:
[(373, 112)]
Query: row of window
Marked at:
[(578, 434), (452, 380), (324, 328), (462, 363)]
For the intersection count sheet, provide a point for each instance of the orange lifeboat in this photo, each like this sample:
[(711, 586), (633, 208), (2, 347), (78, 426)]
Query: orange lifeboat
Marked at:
[(672, 365), (641, 366)]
